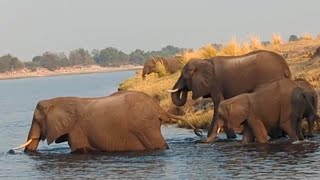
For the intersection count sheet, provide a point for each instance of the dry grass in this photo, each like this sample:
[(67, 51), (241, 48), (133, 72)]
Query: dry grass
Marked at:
[(200, 120), (306, 36), (231, 49), (161, 69), (276, 39), (255, 43), (207, 51), (312, 76)]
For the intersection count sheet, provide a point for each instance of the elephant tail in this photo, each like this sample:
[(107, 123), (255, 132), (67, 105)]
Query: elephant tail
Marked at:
[(196, 130)]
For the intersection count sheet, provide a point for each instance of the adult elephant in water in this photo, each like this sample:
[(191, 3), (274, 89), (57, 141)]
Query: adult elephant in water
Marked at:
[(223, 77), (123, 121), (172, 65)]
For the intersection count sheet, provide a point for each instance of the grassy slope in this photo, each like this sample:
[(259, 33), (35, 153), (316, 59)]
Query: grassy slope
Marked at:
[(199, 112)]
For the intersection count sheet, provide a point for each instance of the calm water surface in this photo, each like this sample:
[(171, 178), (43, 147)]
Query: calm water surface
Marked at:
[(184, 160)]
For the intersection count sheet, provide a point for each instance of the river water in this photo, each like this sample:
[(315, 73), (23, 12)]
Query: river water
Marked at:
[(184, 160)]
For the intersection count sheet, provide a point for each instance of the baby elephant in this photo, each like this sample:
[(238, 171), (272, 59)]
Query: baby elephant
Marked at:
[(281, 103), (123, 121)]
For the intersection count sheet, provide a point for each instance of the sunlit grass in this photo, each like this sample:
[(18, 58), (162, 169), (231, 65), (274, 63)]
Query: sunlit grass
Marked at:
[(255, 43), (207, 51), (161, 69), (276, 39), (231, 49), (306, 36)]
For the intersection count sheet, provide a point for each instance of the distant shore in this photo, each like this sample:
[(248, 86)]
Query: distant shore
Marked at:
[(42, 72)]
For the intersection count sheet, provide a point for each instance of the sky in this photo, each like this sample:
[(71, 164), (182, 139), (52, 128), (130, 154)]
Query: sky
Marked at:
[(32, 27)]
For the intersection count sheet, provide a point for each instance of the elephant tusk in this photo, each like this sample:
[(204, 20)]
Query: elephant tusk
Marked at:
[(23, 145), (173, 91), (218, 130)]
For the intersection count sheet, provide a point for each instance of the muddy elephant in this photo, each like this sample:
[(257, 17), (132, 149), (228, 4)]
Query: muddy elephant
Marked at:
[(123, 121), (223, 77), (279, 104), (172, 65)]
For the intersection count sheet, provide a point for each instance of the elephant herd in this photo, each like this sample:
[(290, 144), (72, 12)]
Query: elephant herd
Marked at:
[(254, 90)]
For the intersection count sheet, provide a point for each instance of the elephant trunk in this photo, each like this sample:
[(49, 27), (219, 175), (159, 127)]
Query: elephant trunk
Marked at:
[(144, 72), (35, 136), (179, 98)]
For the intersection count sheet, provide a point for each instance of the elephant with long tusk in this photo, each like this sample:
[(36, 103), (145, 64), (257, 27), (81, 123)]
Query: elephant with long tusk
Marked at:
[(223, 77), (123, 121)]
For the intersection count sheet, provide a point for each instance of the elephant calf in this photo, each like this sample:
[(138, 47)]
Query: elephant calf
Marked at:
[(281, 103), (123, 121)]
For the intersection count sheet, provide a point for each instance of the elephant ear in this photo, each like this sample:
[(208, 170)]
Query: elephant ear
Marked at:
[(60, 120), (237, 113), (201, 76)]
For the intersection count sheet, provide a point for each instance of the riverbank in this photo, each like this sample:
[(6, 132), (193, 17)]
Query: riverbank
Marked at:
[(303, 58), (42, 72)]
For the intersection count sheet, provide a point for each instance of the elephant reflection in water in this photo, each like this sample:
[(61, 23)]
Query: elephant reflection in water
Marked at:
[(283, 103), (123, 121)]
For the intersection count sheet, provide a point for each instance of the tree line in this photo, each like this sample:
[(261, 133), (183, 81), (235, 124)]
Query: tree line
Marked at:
[(110, 57)]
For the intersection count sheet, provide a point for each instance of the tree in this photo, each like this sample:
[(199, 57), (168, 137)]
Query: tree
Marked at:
[(80, 57), (111, 57), (10, 63), (293, 38), (137, 57), (51, 61)]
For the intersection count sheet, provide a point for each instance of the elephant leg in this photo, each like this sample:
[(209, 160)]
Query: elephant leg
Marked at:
[(152, 139), (248, 136), (258, 130), (291, 129), (310, 120), (213, 121), (299, 129), (78, 142), (229, 132)]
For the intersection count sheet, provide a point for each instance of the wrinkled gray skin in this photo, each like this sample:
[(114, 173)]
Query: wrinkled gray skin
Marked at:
[(172, 65), (223, 77), (123, 121), (310, 113), (280, 104)]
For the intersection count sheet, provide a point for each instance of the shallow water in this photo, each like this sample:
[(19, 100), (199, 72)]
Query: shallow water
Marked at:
[(184, 160)]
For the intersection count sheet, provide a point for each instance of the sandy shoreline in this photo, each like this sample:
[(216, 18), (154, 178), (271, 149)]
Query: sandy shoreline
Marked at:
[(41, 72)]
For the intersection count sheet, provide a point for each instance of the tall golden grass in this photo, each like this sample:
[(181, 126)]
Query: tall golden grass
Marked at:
[(276, 39), (161, 69), (306, 36)]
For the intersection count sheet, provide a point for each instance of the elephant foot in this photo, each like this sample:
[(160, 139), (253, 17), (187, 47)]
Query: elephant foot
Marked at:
[(231, 134), (198, 132), (309, 136), (204, 141)]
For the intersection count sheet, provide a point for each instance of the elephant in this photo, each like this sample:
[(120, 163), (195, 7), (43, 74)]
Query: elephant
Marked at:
[(310, 114), (223, 77), (279, 104), (122, 121), (172, 65)]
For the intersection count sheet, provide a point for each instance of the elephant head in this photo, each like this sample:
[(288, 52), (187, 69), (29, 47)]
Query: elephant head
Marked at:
[(149, 67), (52, 119), (231, 114), (196, 76)]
